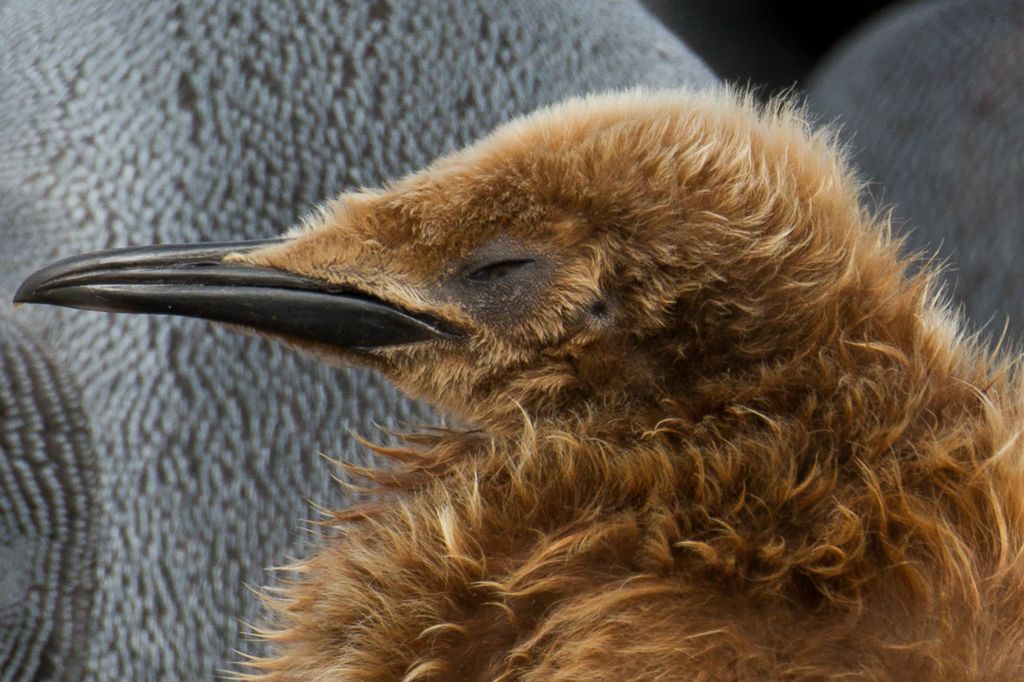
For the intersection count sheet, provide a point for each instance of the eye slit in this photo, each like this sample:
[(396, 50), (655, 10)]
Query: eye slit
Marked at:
[(492, 272)]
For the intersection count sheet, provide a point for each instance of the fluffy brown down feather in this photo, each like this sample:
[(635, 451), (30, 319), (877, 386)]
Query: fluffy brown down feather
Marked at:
[(723, 434)]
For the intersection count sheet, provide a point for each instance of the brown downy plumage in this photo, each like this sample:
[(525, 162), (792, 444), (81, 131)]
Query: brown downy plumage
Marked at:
[(715, 427)]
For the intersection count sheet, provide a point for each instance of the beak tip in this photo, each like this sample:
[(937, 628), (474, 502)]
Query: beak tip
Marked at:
[(28, 292)]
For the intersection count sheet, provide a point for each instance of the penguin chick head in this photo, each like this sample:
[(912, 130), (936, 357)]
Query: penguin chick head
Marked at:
[(596, 257)]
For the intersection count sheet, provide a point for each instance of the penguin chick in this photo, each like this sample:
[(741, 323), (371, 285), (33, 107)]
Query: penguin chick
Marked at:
[(715, 428)]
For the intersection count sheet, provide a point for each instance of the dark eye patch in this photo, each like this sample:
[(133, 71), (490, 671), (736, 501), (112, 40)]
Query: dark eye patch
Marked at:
[(493, 272), (500, 281)]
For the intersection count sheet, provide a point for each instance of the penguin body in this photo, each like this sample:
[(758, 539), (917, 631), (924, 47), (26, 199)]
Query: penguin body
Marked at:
[(714, 426)]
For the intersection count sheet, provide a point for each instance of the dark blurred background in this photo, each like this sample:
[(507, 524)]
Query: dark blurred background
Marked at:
[(770, 45)]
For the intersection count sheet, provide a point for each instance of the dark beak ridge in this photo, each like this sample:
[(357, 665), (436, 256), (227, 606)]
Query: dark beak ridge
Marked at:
[(192, 280)]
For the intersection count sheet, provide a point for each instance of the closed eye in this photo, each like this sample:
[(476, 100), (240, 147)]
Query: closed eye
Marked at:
[(492, 272)]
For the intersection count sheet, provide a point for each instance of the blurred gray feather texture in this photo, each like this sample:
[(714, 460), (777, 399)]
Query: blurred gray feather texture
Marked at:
[(930, 98), (47, 506)]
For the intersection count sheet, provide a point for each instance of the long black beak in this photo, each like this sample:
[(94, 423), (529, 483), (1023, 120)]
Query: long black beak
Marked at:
[(193, 280)]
